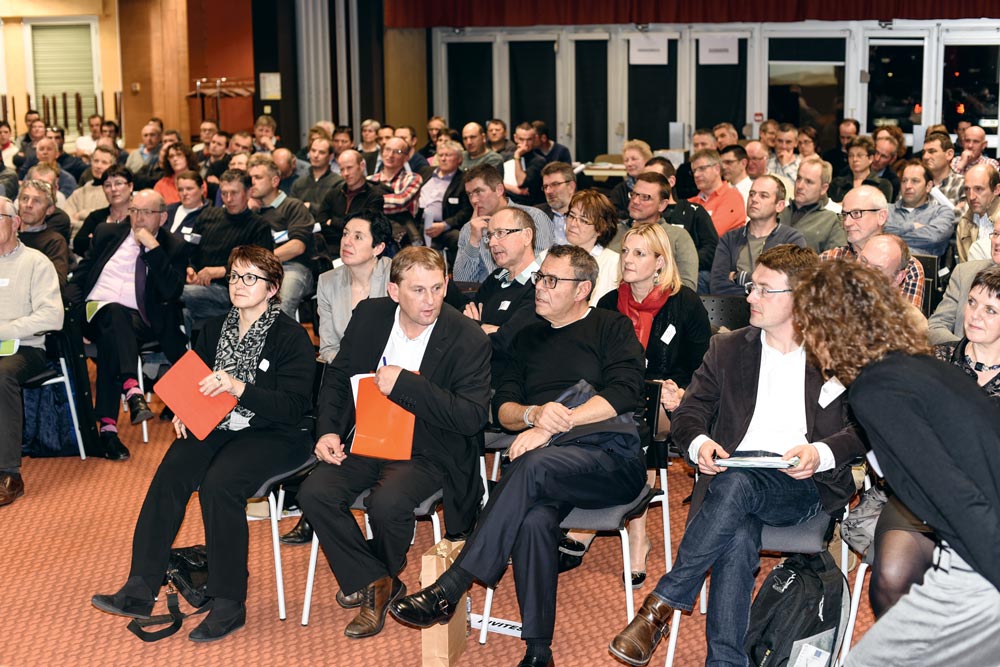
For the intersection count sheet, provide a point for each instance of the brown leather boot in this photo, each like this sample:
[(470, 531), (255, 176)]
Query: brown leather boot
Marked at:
[(375, 604), (635, 644)]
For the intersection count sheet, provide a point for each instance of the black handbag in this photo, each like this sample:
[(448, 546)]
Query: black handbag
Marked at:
[(187, 574)]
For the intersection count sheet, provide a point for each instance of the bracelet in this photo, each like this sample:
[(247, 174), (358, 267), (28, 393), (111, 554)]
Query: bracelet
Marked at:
[(524, 417)]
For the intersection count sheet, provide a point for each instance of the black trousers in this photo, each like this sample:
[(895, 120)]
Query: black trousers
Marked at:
[(397, 488), (15, 369), (225, 468), (521, 521), (118, 332)]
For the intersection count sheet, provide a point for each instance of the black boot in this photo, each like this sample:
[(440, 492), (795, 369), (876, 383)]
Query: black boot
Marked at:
[(224, 617), (135, 600), (301, 534)]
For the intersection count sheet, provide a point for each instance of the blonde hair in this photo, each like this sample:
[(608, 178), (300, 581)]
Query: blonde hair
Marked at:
[(659, 244), (638, 145)]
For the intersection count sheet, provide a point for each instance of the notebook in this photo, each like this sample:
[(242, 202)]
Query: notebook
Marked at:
[(178, 389)]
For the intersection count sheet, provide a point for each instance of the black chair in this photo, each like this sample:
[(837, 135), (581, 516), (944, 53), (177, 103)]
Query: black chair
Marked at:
[(933, 289), (726, 311)]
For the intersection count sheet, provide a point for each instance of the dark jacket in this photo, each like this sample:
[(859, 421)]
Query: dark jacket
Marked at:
[(722, 396), (698, 223), (165, 277), (334, 212), (678, 358), (281, 395), (449, 397), (728, 251)]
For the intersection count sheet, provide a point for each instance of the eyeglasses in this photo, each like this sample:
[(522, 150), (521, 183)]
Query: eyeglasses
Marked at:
[(640, 196), (993, 234), (579, 218), (144, 211), (857, 213), (500, 234), (704, 167), (761, 291), (551, 282), (249, 279), (394, 151), (552, 186), (7, 215)]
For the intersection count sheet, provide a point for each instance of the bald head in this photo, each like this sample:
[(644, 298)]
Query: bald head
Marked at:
[(887, 254), (756, 159), (285, 161), (974, 141), (148, 211), (474, 139)]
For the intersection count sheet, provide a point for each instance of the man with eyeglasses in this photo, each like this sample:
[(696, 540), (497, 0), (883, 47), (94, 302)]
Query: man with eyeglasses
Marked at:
[(505, 302), (29, 304), (126, 292), (982, 192), (402, 186), (215, 233), (864, 215), (755, 394), (443, 204), (734, 161), (473, 262), (601, 467), (722, 201), (559, 186), (756, 160), (739, 250)]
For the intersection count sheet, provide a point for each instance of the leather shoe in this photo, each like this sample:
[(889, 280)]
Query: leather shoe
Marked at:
[(224, 617), (635, 644), (531, 661), (424, 608), (571, 553), (352, 601), (113, 447), (138, 409), (11, 487), (302, 533), (377, 597), (134, 600)]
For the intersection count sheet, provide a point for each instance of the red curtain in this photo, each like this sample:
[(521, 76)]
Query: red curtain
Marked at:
[(511, 13)]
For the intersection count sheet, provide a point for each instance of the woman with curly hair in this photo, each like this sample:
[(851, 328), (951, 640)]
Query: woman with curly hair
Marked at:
[(934, 436)]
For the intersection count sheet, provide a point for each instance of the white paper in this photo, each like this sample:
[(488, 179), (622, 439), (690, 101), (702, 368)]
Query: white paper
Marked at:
[(648, 49), (812, 657), (4, 282), (669, 334), (831, 389), (504, 305), (718, 50), (355, 380), (509, 178)]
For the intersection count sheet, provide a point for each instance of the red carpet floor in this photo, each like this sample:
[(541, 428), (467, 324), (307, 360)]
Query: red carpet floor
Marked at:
[(70, 537)]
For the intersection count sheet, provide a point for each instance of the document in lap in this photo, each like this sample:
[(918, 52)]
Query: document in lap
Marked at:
[(178, 389), (382, 430)]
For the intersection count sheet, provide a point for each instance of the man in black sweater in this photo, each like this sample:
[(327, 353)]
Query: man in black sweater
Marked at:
[(544, 483), (216, 232), (505, 302)]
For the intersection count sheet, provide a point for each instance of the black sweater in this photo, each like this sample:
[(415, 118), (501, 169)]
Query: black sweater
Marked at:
[(518, 313)]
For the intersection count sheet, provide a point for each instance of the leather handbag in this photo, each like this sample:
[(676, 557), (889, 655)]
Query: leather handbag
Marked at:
[(187, 574)]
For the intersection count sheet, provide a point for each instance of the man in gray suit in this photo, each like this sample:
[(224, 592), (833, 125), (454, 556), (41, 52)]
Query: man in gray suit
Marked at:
[(947, 324)]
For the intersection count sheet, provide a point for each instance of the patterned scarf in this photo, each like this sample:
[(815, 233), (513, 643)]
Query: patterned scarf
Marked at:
[(240, 358)]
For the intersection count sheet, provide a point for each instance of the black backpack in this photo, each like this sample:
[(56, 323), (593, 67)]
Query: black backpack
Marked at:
[(802, 605)]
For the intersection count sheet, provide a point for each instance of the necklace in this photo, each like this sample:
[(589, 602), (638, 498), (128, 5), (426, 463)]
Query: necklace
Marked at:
[(979, 366)]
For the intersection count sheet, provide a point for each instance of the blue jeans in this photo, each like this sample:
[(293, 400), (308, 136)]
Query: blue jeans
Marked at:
[(204, 301), (297, 283), (724, 536)]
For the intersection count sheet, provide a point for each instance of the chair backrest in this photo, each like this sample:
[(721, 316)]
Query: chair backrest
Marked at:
[(932, 290), (726, 311)]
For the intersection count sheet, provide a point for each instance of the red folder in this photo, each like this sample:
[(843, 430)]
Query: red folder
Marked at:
[(383, 430), (178, 388)]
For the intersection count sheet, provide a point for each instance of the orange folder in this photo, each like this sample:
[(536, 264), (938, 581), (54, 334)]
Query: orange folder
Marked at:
[(383, 430), (178, 388)]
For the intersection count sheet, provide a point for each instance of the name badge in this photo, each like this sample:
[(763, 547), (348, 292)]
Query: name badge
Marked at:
[(193, 239), (4, 282), (669, 334), (453, 200), (187, 230), (264, 365), (831, 390), (280, 237), (504, 305)]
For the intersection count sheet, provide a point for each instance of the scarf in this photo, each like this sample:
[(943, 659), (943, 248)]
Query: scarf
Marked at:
[(642, 313), (240, 358)]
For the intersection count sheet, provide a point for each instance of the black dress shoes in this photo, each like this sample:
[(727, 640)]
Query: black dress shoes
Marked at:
[(536, 662), (113, 447), (302, 533), (376, 598), (11, 487), (571, 553), (134, 600), (138, 409), (225, 617), (423, 609)]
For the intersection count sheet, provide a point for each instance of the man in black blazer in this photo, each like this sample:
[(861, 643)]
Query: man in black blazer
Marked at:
[(354, 195), (433, 362), (443, 204), (746, 397), (128, 289)]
